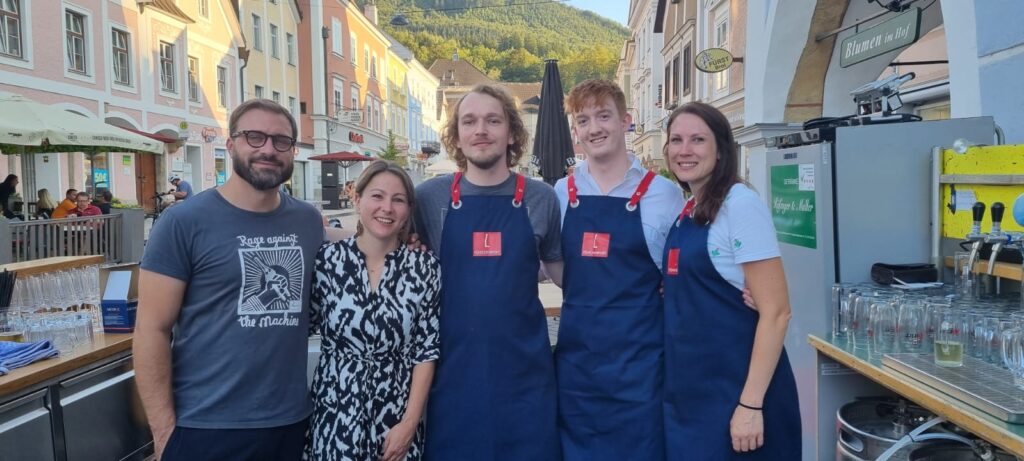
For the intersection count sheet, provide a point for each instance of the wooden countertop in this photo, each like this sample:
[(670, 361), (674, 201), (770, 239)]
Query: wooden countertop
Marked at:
[(58, 263), (103, 346), (1008, 436)]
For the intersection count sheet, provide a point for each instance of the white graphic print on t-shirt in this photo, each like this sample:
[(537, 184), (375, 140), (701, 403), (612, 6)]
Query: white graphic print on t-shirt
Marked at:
[(272, 282)]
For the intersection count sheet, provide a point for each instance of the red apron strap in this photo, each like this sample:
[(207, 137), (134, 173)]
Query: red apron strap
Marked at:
[(571, 182), (520, 190), (641, 190), (456, 191), (690, 205)]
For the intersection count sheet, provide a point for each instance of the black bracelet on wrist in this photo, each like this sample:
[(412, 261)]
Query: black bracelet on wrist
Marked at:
[(750, 407)]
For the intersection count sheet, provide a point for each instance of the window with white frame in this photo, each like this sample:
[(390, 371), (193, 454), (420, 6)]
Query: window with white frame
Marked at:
[(121, 56), (259, 92), (204, 8), (74, 33), (366, 58), (353, 94), (10, 28), (339, 96), (222, 86), (167, 73), (274, 42), (721, 79), (289, 42), (368, 118), (687, 70), (257, 33), (193, 79), (276, 97), (336, 45), (353, 56), (373, 66), (291, 106)]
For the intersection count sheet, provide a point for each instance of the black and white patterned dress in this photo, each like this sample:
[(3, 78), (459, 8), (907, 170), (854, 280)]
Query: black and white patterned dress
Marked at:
[(371, 341)]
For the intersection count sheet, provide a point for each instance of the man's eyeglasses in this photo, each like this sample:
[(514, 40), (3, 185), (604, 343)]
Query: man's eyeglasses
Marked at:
[(257, 139)]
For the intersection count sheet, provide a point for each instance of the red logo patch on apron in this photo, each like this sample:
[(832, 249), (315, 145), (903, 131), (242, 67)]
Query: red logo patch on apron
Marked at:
[(672, 267), (486, 244), (595, 245)]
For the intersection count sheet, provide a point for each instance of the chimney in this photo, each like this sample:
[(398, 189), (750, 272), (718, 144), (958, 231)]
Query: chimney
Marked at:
[(370, 11), (455, 56)]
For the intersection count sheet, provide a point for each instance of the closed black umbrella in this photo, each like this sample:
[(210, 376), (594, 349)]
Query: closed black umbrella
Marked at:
[(552, 147)]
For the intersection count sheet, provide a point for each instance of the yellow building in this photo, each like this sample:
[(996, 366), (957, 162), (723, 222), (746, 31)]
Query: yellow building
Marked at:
[(397, 97), (272, 70)]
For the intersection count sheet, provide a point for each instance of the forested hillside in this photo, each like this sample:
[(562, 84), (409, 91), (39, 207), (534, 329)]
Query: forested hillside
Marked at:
[(509, 42)]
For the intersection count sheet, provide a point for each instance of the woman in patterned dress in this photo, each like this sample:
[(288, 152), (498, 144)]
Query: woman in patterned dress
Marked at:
[(375, 302)]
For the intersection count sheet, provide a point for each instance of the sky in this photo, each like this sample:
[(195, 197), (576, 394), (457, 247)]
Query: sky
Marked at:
[(616, 10)]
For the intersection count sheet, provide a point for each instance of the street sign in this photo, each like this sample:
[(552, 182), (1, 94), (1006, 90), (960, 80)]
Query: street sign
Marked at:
[(350, 116), (713, 60), (890, 35)]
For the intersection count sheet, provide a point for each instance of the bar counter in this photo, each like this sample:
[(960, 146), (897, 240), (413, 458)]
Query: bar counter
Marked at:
[(80, 405), (1009, 437), (103, 347)]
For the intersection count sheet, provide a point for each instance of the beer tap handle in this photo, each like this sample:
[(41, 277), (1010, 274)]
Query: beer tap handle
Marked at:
[(978, 211), (997, 216)]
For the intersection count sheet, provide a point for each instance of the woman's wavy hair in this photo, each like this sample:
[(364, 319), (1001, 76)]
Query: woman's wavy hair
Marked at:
[(726, 172), (516, 129), (383, 166)]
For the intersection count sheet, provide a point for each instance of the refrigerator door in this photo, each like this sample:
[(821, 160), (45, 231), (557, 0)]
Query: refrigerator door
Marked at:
[(800, 200)]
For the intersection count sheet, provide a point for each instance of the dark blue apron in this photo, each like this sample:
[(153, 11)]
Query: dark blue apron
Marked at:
[(609, 353), (709, 337), (493, 396)]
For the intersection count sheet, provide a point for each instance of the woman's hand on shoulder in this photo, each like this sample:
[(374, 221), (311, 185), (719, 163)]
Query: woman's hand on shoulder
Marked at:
[(398, 441)]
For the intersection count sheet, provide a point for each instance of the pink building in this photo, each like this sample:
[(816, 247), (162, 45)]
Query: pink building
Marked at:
[(160, 67)]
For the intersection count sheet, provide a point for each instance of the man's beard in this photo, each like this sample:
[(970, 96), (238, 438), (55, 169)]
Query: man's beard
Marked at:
[(485, 163), (261, 179)]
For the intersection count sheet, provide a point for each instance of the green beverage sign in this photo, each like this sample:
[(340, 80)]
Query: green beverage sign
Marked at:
[(793, 207)]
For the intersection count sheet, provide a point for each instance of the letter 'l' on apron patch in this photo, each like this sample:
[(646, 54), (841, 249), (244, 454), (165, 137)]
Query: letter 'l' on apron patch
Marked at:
[(673, 262), (486, 244), (595, 245)]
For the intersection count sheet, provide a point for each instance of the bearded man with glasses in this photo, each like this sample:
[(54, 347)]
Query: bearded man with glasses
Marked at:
[(228, 272)]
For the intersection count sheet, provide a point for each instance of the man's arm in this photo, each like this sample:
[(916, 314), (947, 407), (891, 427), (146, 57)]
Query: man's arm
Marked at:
[(160, 298)]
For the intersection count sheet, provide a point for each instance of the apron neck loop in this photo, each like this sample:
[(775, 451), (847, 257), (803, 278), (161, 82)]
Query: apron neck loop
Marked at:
[(571, 183), (640, 190), (688, 209), (456, 191), (517, 200)]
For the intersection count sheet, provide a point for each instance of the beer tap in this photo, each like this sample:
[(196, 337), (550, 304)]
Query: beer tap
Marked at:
[(978, 212), (997, 238)]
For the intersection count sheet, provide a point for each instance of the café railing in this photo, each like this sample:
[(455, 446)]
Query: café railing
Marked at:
[(117, 237)]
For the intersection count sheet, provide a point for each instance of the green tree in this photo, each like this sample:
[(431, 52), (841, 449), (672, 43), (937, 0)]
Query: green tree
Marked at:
[(391, 153), (519, 65)]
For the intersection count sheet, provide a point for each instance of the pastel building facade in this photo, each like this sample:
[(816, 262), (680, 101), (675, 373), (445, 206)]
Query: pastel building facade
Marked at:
[(156, 67)]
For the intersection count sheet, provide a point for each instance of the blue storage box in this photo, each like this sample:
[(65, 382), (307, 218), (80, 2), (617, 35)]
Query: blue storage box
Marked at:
[(120, 288)]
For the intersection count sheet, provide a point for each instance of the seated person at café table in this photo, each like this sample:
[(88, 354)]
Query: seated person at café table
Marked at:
[(84, 207), (103, 199), (66, 205), (44, 204)]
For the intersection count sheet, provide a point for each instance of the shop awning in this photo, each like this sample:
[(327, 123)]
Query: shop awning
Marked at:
[(154, 136)]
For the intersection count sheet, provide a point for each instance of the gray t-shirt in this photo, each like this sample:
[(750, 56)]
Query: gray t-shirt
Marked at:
[(435, 195), (238, 358)]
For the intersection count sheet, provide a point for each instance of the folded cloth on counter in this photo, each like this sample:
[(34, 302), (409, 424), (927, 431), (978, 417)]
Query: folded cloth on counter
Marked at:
[(14, 355)]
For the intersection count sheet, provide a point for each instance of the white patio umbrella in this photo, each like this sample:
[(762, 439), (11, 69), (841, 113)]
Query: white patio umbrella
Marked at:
[(442, 166), (29, 127)]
